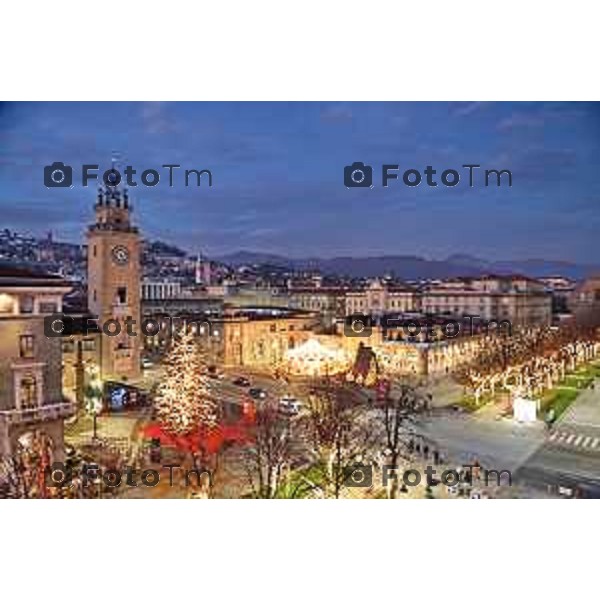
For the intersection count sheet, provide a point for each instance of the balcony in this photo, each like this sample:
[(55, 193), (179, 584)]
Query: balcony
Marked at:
[(49, 412)]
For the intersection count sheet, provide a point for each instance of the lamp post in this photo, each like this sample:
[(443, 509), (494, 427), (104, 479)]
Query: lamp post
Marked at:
[(94, 399)]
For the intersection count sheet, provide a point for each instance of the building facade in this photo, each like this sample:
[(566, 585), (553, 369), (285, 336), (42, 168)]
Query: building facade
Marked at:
[(523, 301), (160, 289), (380, 297), (255, 338), (329, 302), (584, 302), (32, 407)]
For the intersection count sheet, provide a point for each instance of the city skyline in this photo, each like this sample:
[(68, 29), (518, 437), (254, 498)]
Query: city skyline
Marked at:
[(278, 175)]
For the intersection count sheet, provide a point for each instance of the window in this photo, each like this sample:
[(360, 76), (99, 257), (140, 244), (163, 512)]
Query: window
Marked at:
[(68, 346), (26, 305), (48, 307), (122, 295), (94, 296), (94, 250), (88, 345), (26, 347), (28, 393), (6, 303)]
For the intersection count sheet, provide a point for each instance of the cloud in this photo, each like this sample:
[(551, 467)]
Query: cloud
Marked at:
[(463, 109), (540, 116), (336, 112), (155, 118), (520, 120)]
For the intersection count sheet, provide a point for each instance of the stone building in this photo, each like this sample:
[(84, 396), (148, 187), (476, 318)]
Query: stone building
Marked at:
[(250, 337), (584, 302), (381, 297), (31, 402), (523, 301), (328, 301)]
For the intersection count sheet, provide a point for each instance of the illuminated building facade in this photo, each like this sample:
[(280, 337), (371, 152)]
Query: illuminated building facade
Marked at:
[(255, 338), (523, 301), (31, 401), (381, 297)]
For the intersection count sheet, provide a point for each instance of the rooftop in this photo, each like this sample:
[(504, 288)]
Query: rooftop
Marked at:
[(17, 276)]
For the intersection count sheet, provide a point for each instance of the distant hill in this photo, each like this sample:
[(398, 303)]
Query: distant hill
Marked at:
[(414, 267)]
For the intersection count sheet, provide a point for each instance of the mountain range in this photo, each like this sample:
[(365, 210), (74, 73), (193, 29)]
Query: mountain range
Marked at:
[(415, 267)]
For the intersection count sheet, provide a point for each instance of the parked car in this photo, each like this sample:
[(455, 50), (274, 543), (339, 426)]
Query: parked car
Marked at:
[(257, 393), (241, 381), (290, 406), (146, 363)]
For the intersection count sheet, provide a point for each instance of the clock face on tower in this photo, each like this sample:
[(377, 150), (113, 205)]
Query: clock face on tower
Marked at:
[(120, 255)]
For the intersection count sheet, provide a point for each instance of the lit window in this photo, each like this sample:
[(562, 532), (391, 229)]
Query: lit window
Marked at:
[(6, 303), (26, 347), (88, 345), (28, 393)]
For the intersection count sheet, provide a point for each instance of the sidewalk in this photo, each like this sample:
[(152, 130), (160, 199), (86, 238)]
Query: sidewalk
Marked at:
[(585, 409)]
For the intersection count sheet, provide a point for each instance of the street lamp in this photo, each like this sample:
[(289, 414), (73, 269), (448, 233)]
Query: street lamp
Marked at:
[(93, 395)]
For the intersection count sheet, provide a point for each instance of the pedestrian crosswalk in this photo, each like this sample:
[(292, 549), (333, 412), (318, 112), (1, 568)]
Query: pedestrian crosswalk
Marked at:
[(578, 441)]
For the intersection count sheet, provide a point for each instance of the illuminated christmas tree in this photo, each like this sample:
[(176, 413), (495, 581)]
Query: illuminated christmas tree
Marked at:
[(183, 403)]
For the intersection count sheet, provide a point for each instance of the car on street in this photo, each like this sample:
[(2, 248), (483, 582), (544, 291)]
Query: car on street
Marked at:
[(289, 406), (257, 393), (242, 381), (146, 363)]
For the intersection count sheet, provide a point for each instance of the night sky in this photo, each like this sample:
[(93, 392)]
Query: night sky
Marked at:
[(278, 175)]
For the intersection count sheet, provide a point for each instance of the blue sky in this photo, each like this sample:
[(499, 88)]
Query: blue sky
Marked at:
[(278, 175)]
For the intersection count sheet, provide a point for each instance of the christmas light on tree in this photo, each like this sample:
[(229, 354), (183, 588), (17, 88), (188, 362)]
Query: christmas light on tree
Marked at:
[(183, 403)]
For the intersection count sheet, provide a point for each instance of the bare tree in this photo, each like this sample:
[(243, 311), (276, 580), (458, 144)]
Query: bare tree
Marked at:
[(337, 430), (270, 450), (396, 413)]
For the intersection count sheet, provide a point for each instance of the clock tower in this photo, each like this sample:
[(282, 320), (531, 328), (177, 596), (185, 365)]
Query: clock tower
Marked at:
[(113, 278)]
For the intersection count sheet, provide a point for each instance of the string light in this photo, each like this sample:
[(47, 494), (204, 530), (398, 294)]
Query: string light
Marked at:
[(183, 401)]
